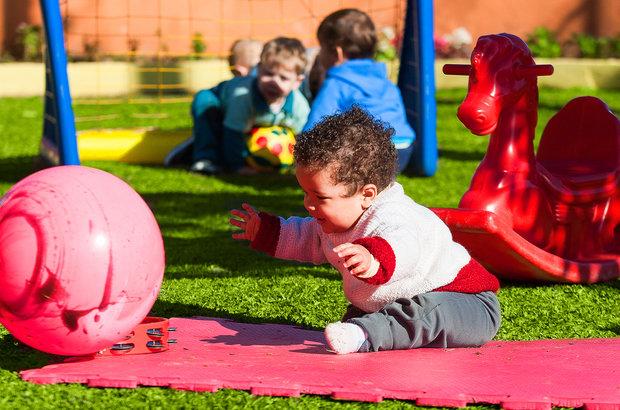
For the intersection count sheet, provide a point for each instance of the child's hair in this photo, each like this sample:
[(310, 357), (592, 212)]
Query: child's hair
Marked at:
[(356, 147), (282, 50), (315, 72), (244, 52), (350, 29)]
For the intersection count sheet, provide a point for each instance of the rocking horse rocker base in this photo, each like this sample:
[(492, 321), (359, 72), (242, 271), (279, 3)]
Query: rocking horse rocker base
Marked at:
[(549, 216), (493, 242)]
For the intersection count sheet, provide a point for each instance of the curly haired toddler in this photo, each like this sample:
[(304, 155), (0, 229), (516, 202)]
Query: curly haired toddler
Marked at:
[(408, 283)]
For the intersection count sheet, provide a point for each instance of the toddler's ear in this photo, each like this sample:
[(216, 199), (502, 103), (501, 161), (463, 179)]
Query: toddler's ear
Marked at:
[(369, 193), (340, 57)]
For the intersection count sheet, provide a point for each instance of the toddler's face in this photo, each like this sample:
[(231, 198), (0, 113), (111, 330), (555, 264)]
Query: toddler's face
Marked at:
[(327, 202), (277, 81)]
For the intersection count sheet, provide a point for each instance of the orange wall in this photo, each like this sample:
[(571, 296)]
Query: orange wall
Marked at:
[(12, 13), (168, 25), (520, 17)]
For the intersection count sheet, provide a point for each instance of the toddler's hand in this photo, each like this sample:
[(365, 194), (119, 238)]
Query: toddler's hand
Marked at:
[(248, 221), (357, 259)]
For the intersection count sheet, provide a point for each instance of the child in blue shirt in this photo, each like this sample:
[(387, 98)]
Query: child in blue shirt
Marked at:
[(348, 43), (224, 115)]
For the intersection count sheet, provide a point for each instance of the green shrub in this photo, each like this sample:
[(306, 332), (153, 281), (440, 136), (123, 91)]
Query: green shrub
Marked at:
[(589, 46), (543, 43), (597, 47), (614, 46), (29, 42), (198, 46)]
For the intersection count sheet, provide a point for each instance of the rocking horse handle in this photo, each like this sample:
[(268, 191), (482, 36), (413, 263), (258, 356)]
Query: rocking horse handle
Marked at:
[(535, 70), (465, 69), (456, 69)]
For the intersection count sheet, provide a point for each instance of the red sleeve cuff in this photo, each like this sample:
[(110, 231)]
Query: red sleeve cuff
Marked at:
[(266, 239), (384, 254), (472, 278)]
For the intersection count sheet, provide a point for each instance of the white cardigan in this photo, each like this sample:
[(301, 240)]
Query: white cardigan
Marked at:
[(426, 256)]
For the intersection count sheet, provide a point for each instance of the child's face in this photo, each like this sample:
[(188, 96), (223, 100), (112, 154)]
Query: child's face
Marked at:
[(277, 81), (328, 203)]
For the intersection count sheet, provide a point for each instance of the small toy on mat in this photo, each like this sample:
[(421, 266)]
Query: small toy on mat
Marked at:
[(150, 336)]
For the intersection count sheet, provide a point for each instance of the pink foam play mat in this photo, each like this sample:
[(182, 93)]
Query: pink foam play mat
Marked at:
[(284, 360)]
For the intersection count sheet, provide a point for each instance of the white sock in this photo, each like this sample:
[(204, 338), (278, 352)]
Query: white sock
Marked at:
[(344, 338)]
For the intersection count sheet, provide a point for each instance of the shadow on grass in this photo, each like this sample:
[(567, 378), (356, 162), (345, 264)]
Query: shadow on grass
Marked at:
[(16, 356), (231, 259), (168, 310), (267, 182), (474, 156), (181, 211), (197, 235), (263, 182), (614, 284), (14, 169)]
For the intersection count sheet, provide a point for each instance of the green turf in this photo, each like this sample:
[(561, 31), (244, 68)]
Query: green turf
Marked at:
[(209, 274)]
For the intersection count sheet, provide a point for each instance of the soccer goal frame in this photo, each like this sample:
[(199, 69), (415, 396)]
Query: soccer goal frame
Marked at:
[(416, 80)]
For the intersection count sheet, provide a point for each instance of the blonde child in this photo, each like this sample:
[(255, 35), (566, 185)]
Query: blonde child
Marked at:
[(408, 283), (224, 115), (244, 57)]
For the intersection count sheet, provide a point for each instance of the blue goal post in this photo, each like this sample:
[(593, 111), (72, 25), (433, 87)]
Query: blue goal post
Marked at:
[(59, 141), (416, 80)]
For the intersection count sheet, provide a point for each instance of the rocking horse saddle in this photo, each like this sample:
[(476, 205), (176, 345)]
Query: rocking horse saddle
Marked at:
[(578, 158)]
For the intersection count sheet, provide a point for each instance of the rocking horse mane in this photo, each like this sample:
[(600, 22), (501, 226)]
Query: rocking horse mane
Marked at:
[(501, 47)]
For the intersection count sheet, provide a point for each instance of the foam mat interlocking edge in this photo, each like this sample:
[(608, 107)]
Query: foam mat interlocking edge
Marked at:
[(284, 360)]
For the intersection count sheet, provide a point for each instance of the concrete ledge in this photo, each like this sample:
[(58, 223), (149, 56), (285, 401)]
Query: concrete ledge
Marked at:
[(22, 79), (200, 74), (97, 79), (588, 73), (111, 78)]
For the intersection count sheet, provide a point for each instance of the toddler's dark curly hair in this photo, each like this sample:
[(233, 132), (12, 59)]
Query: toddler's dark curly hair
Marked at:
[(356, 147)]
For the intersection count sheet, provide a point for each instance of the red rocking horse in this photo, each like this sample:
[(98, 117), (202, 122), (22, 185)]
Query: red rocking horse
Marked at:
[(553, 215)]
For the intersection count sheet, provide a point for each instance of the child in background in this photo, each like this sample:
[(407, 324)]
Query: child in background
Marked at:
[(315, 74), (408, 283), (225, 114), (348, 43), (244, 57)]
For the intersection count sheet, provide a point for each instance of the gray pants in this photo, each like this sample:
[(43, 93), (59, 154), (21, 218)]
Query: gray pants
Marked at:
[(433, 319)]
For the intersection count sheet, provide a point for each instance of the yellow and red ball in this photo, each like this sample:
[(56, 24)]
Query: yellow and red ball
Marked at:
[(271, 149)]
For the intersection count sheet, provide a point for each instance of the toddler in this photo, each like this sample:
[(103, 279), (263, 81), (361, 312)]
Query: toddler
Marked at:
[(244, 57), (408, 283), (224, 115), (348, 43)]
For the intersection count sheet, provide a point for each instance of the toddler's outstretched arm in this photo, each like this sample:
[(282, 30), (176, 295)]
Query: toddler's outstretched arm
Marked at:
[(248, 220)]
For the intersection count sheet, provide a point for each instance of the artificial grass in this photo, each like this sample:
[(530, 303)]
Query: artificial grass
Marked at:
[(209, 274)]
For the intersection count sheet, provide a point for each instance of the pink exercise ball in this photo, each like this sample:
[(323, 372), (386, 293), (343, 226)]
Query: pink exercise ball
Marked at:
[(81, 260)]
